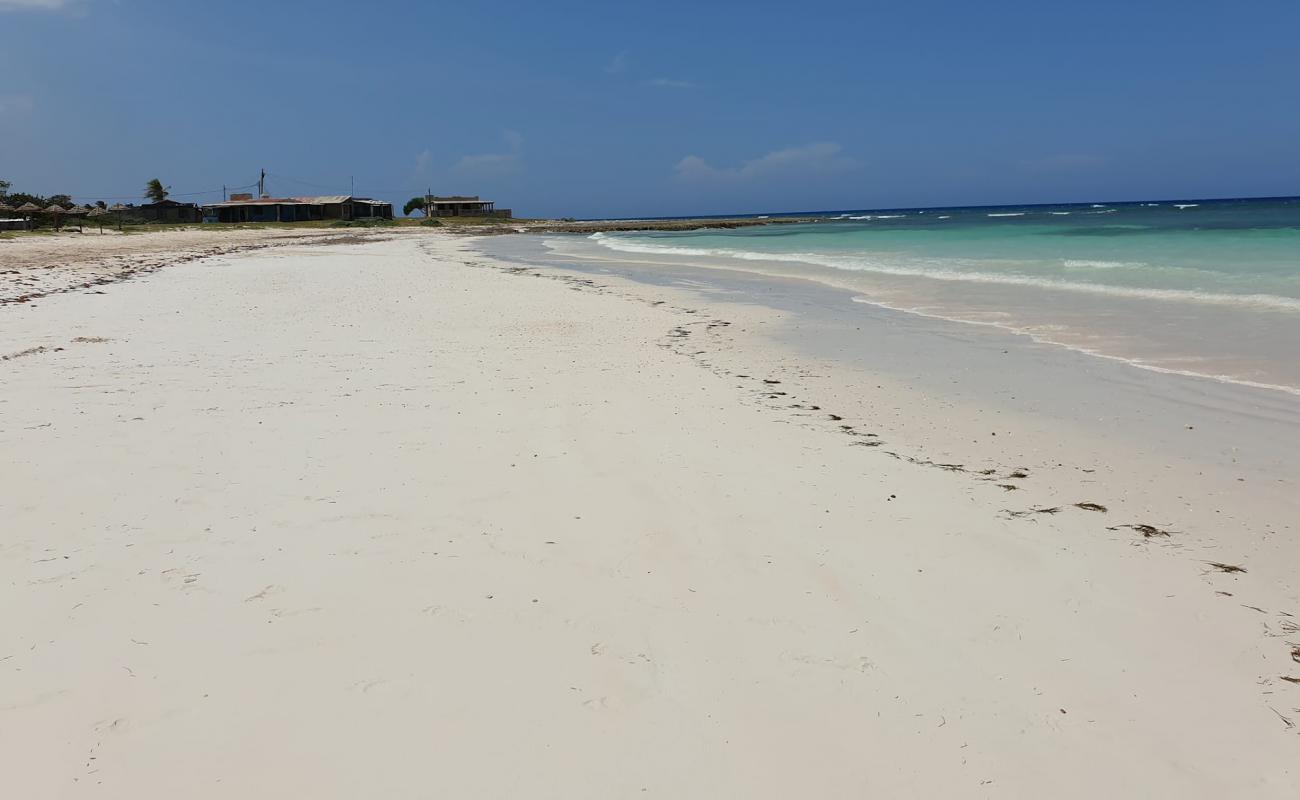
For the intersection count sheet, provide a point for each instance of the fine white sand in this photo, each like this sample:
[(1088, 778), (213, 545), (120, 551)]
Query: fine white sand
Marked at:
[(390, 520)]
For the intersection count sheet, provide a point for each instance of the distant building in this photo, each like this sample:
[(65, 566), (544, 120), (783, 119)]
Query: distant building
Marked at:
[(457, 206), (246, 208), (166, 211)]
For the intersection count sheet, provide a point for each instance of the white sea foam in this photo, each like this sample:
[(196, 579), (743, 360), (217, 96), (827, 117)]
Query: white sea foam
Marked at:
[(1083, 263), (945, 216), (1008, 214), (1181, 206), (1266, 302), (1059, 213)]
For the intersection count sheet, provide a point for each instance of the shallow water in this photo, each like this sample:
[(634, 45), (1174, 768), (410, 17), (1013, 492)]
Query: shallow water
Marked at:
[(1207, 288)]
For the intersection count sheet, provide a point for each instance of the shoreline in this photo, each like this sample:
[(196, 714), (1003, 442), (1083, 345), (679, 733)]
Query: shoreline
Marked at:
[(329, 520), (985, 369), (1140, 325)]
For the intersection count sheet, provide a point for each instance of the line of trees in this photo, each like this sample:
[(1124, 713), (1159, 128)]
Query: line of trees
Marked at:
[(154, 191), (16, 199)]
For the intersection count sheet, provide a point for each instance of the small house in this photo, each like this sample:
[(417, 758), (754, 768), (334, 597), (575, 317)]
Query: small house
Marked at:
[(246, 208), (463, 206)]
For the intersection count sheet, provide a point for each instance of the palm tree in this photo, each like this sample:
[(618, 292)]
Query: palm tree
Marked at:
[(155, 191)]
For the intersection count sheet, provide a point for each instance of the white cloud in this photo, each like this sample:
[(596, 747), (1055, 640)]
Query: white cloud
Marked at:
[(16, 105), (671, 83), (38, 5), (815, 158), (422, 162), (617, 64), (495, 163)]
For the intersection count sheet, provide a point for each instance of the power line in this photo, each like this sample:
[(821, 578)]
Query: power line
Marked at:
[(331, 186), (88, 195), (303, 182)]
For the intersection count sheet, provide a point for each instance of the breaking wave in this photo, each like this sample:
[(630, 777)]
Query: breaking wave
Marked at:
[(1267, 302)]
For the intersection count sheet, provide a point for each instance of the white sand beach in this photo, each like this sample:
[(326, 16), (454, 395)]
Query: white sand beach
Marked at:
[(395, 518)]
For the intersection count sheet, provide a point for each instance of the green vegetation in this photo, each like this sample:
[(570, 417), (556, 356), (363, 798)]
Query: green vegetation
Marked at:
[(155, 191), (16, 199), (430, 223), (414, 204)]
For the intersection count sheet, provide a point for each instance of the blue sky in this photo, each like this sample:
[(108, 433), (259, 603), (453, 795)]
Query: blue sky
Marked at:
[(614, 109)]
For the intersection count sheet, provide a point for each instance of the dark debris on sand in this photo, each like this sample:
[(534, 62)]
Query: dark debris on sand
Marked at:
[(1147, 531), (1030, 511)]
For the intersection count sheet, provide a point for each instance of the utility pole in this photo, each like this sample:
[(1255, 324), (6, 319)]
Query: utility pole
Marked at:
[(428, 201), (223, 193), (261, 185), (353, 178)]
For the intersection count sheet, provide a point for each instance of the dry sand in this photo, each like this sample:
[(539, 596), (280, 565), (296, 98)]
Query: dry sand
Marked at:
[(34, 266), (395, 520)]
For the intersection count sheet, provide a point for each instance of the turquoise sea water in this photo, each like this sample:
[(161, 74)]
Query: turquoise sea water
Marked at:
[(1203, 287)]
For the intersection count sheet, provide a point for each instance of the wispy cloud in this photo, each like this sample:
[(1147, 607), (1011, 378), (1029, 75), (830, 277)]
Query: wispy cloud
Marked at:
[(40, 5), (423, 163), (16, 105), (618, 63), (815, 158), (671, 83), (495, 163)]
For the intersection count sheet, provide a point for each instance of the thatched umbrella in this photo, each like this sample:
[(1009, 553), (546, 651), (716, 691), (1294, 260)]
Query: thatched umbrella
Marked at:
[(4, 208), (28, 208), (57, 211), (99, 214)]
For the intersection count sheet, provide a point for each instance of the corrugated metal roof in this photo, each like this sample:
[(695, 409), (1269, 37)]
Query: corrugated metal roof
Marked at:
[(328, 199), (261, 201)]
